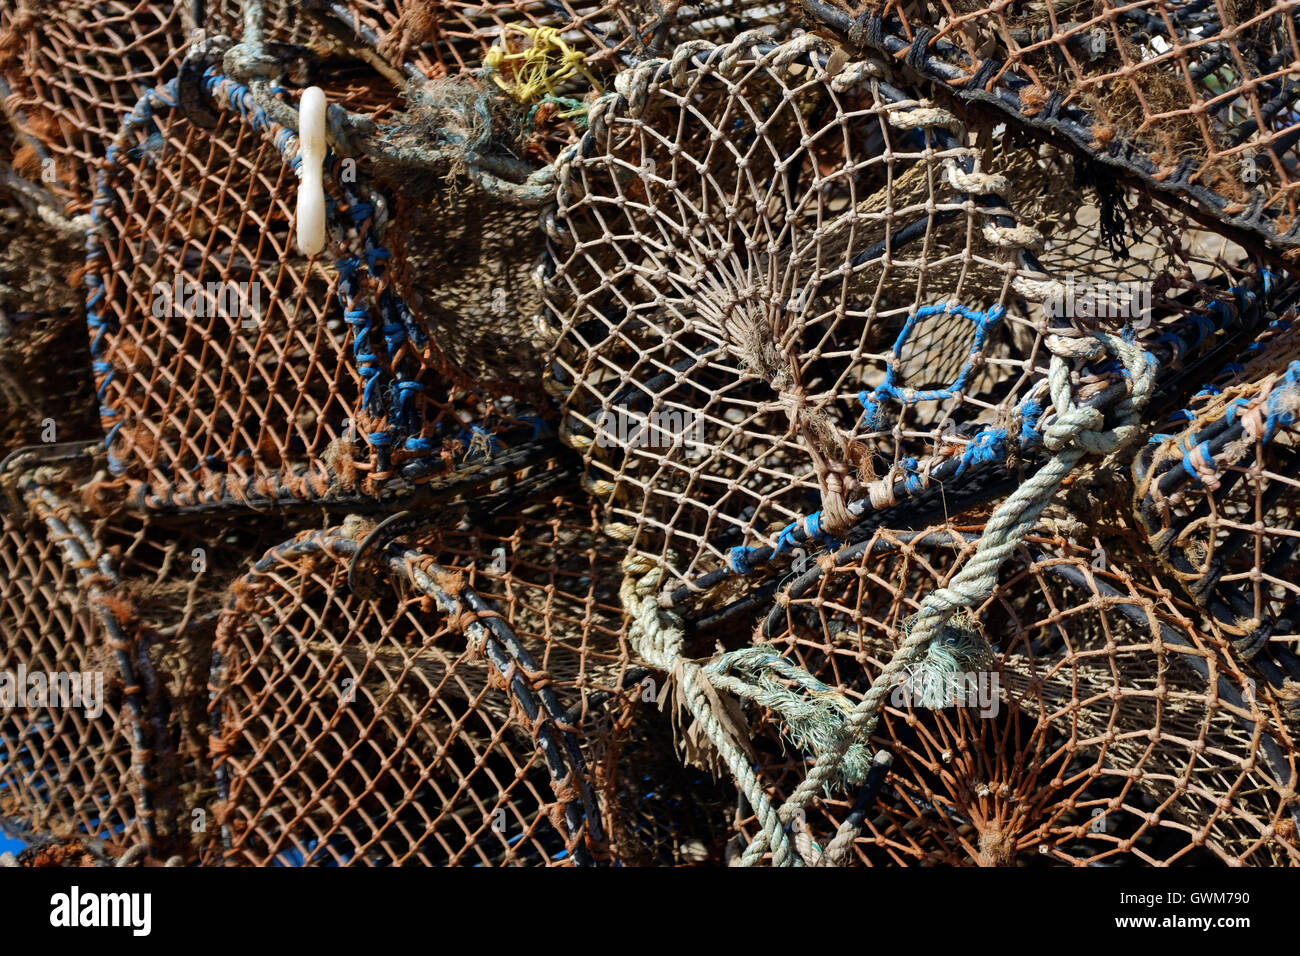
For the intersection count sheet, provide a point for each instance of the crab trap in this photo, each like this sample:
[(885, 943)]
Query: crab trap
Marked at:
[(616, 433)]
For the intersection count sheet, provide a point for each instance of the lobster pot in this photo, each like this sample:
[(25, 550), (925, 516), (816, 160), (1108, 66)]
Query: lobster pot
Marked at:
[(1198, 102), (1089, 721), (75, 70), (437, 704), (75, 735), (750, 326), (229, 366), (552, 574), (1217, 495)]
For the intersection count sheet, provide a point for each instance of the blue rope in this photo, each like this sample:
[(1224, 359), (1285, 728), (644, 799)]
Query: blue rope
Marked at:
[(398, 324), (889, 389)]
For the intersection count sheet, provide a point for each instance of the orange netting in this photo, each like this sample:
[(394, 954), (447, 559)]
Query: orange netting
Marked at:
[(697, 442)]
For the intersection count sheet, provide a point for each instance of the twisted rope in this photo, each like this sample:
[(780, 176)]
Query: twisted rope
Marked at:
[(1074, 431), (657, 637)]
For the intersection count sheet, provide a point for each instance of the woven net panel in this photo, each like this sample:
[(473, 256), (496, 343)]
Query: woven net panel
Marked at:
[(229, 365), (1105, 727), (70, 72), (1104, 231), (283, 21), (768, 290), (447, 37), (1197, 100), (176, 576), (549, 572), (550, 575), (468, 261), (1191, 296), (70, 763), (455, 746), (658, 810), (1217, 496)]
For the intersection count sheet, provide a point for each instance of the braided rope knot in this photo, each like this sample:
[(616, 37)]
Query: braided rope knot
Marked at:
[(656, 634), (1084, 426), (1075, 431), (924, 114)]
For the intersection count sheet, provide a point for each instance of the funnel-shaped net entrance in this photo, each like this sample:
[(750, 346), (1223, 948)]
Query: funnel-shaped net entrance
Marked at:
[(1106, 728), (776, 287)]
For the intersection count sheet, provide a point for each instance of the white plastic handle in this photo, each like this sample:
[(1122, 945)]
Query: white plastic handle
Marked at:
[(311, 185)]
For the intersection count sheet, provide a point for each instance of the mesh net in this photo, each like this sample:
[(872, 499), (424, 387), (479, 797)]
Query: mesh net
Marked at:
[(1215, 497), (831, 303), (71, 72), (440, 706), (1112, 728), (697, 443), (127, 608), (227, 365), (747, 321), (448, 38), (1198, 99), (67, 770)]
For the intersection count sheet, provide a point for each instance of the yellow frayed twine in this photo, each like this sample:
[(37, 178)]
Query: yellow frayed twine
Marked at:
[(534, 71)]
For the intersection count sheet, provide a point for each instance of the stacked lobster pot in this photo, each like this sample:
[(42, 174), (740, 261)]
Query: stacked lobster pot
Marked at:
[(599, 434)]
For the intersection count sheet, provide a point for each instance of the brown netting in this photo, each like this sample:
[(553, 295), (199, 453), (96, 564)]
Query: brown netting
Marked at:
[(135, 600), (442, 37), (433, 715), (1199, 100), (46, 392), (71, 764), (228, 364), (834, 350), (1110, 728), (831, 306), (1217, 496), (799, 308), (70, 72)]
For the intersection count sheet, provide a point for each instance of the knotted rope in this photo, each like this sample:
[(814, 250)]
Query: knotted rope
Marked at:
[(1074, 431), (657, 637), (533, 71)]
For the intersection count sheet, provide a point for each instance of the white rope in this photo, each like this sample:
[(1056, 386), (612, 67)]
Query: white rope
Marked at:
[(657, 637)]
